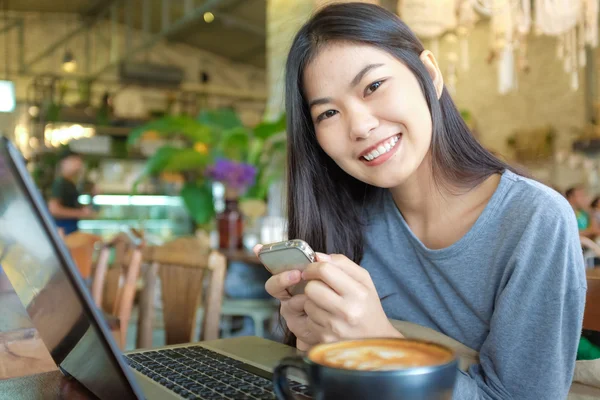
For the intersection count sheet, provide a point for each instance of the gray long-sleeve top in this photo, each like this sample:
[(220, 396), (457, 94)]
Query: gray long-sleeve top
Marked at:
[(513, 288)]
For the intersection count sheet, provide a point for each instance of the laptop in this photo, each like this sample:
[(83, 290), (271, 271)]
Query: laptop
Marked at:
[(73, 329)]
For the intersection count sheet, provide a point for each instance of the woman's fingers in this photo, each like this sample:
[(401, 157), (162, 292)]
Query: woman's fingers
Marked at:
[(277, 285), (295, 304), (320, 332), (323, 296), (292, 311), (318, 315), (353, 270), (334, 276)]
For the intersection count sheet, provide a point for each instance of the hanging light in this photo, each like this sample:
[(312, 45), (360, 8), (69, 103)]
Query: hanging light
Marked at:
[(69, 64), (209, 17)]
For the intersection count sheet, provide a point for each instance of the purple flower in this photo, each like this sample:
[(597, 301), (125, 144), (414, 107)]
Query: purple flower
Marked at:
[(239, 176)]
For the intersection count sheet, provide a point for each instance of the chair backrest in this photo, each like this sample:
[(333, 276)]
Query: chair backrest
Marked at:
[(114, 285), (591, 316), (82, 246), (182, 264)]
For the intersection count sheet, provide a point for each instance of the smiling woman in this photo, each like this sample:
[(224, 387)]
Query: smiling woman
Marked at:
[(380, 105), (383, 172), (356, 77)]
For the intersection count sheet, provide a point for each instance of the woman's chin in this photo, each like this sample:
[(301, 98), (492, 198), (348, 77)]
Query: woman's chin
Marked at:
[(386, 182)]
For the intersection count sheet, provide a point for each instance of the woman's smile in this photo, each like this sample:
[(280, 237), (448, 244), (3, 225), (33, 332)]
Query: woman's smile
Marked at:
[(381, 152)]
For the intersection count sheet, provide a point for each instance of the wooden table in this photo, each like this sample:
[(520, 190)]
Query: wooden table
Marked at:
[(23, 355), (593, 273), (46, 386), (22, 352), (591, 317)]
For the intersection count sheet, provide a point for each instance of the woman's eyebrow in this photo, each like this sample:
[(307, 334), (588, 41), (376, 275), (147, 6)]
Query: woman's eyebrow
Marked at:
[(355, 81), (362, 74)]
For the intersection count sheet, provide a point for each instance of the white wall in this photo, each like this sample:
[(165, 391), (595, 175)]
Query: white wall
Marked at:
[(543, 98)]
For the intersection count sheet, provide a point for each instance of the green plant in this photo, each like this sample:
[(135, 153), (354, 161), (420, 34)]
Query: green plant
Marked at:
[(532, 145), (213, 135), (44, 171)]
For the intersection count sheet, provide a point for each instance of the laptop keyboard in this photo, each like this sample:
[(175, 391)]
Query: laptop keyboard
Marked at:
[(198, 373)]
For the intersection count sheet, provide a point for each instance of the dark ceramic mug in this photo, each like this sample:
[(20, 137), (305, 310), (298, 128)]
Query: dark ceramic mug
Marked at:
[(434, 381)]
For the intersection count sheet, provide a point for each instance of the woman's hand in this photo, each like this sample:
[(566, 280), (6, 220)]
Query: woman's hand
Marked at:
[(292, 307), (342, 302)]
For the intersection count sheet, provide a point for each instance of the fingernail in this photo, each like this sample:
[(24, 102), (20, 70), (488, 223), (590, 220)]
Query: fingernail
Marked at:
[(323, 257), (293, 276)]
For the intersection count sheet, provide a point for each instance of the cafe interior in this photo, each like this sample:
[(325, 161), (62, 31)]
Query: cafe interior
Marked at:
[(175, 111)]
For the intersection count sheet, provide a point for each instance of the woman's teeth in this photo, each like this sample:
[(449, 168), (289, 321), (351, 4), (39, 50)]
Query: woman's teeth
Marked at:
[(382, 149)]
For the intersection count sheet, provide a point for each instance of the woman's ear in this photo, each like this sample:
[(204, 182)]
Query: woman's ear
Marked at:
[(430, 63)]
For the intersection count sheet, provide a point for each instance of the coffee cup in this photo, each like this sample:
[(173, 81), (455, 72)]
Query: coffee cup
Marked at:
[(383, 369)]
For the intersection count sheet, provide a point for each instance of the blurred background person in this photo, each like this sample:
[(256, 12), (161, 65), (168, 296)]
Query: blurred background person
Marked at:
[(64, 198), (595, 210), (580, 201)]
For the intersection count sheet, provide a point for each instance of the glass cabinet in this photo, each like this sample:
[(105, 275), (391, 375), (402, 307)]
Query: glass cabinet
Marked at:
[(161, 218)]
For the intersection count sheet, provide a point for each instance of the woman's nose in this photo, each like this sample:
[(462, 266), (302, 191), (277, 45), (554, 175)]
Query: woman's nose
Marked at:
[(362, 123)]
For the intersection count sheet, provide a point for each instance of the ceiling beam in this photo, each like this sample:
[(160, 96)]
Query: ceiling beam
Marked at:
[(91, 16), (11, 24), (229, 20), (174, 27), (97, 8), (197, 15), (58, 43)]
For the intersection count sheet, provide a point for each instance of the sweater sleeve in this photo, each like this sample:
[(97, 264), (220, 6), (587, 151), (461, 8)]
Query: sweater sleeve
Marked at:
[(535, 328)]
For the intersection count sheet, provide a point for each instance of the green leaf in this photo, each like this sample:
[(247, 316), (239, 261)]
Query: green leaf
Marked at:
[(198, 200), (254, 151), (220, 120), (172, 125), (261, 188), (266, 129), (234, 144), (280, 146), (187, 159), (156, 163)]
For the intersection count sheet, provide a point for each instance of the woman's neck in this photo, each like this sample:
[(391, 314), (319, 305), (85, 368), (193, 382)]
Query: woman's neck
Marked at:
[(439, 215)]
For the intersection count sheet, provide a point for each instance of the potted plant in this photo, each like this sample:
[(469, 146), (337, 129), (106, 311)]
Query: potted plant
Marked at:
[(215, 146)]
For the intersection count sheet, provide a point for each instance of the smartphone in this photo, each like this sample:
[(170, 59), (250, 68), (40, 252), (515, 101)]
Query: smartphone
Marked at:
[(286, 256)]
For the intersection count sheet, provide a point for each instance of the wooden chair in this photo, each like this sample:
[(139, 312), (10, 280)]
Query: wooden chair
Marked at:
[(181, 265), (113, 289), (82, 247), (591, 316)]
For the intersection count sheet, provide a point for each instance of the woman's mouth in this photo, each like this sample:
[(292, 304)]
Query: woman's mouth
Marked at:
[(383, 151)]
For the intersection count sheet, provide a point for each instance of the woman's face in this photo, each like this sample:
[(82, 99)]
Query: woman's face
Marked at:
[(369, 113)]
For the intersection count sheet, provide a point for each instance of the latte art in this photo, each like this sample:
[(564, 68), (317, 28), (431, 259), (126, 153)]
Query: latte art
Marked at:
[(379, 355)]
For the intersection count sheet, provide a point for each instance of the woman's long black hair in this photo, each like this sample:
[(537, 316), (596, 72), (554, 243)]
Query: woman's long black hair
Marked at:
[(324, 202)]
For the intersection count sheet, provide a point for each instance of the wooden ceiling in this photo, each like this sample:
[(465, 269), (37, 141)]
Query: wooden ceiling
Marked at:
[(237, 32)]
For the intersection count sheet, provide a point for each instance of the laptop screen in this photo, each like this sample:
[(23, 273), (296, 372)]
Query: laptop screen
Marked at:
[(47, 284)]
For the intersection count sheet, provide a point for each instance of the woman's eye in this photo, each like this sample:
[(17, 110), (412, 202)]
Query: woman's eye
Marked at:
[(326, 114), (373, 87)]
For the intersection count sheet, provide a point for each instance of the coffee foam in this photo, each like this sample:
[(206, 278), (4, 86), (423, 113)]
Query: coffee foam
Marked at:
[(379, 355)]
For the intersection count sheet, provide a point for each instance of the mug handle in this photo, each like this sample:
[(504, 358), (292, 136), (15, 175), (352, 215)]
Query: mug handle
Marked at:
[(280, 381)]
